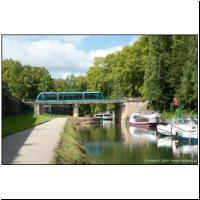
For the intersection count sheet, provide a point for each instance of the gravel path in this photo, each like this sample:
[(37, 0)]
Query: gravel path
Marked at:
[(33, 146)]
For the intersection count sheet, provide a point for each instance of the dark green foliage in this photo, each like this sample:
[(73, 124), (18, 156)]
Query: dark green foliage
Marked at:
[(156, 86), (171, 70), (25, 82), (188, 90), (155, 67)]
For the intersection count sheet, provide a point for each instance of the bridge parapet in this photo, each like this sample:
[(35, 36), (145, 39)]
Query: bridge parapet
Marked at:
[(77, 102), (123, 108)]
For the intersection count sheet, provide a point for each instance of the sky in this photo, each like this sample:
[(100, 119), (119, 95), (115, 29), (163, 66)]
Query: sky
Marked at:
[(62, 55)]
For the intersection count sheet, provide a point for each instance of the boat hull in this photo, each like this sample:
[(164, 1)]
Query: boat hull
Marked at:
[(180, 132), (186, 139), (165, 129)]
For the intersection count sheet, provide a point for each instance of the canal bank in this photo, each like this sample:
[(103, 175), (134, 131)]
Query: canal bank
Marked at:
[(88, 141), (71, 149)]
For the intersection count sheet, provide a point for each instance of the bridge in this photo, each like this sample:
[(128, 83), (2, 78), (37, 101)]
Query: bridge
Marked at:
[(123, 107)]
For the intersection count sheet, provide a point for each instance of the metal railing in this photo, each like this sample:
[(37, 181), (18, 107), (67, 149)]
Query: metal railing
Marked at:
[(103, 101)]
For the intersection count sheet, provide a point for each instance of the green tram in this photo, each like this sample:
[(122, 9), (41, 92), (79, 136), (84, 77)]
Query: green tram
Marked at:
[(67, 96)]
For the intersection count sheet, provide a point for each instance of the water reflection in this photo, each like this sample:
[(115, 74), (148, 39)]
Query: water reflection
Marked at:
[(177, 147), (115, 143), (141, 134), (107, 123)]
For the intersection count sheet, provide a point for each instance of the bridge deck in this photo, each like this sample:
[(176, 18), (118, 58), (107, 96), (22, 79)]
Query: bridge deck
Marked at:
[(77, 102)]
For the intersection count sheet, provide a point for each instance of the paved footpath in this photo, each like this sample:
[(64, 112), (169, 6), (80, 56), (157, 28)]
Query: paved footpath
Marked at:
[(33, 146)]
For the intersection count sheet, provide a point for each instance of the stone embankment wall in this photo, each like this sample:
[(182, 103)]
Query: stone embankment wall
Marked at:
[(11, 105)]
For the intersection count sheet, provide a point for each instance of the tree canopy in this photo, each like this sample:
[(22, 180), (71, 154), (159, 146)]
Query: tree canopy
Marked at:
[(24, 81), (155, 68)]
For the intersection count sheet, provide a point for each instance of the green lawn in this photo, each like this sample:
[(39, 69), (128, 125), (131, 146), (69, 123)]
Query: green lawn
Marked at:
[(17, 123)]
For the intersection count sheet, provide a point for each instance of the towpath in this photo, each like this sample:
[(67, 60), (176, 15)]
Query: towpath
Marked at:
[(33, 146)]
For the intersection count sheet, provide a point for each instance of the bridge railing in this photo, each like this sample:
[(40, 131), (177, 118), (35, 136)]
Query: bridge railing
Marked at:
[(132, 99), (103, 101)]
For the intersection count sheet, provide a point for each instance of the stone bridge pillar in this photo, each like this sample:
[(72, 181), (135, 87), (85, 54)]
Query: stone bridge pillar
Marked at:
[(119, 112), (38, 109), (76, 110), (124, 110)]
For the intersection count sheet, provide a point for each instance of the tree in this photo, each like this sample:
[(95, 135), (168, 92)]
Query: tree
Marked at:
[(156, 88), (188, 91), (154, 67), (11, 74), (25, 81)]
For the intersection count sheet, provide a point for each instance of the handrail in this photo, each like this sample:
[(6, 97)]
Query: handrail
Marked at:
[(107, 101)]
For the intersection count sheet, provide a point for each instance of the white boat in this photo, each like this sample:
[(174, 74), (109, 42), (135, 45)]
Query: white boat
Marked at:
[(187, 130), (165, 129), (104, 116), (145, 119)]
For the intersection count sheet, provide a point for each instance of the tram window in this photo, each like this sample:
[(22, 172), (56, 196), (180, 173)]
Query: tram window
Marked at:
[(66, 96), (41, 97), (91, 96), (98, 96), (79, 96), (50, 97), (70, 96)]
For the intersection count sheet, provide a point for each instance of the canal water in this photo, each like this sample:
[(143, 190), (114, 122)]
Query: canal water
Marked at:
[(118, 143)]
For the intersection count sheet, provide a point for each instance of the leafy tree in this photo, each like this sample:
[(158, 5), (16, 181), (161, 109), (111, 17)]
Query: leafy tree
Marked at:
[(154, 67), (25, 82), (155, 88), (188, 91)]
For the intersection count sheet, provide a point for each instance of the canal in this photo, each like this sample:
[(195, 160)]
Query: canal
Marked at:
[(118, 143)]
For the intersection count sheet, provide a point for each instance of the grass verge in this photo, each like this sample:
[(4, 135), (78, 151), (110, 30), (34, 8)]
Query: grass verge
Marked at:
[(70, 149), (17, 123)]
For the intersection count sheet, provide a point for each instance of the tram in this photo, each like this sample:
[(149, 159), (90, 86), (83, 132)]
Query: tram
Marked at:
[(67, 96)]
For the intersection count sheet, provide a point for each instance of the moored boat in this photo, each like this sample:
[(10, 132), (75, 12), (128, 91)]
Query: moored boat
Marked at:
[(145, 119), (185, 130), (165, 129), (103, 116)]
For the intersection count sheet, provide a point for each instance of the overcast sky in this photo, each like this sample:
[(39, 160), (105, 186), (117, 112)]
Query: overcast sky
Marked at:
[(62, 54)]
